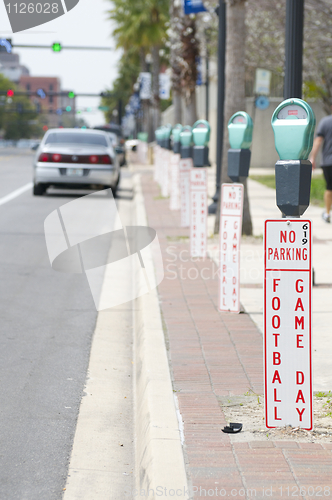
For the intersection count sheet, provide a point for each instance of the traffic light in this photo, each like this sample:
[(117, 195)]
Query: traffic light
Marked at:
[(68, 109), (56, 47), (10, 93), (19, 108), (6, 45), (41, 93), (71, 95)]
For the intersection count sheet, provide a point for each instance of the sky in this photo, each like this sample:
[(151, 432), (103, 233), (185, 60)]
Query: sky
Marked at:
[(80, 71)]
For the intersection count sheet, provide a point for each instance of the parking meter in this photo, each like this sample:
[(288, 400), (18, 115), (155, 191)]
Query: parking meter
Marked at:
[(167, 136), (240, 128), (186, 137), (293, 124), (176, 138), (201, 137), (159, 135)]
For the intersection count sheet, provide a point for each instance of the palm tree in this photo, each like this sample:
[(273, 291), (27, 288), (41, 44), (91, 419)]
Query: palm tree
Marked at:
[(141, 24)]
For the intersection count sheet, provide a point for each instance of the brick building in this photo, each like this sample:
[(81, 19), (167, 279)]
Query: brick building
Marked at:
[(53, 106)]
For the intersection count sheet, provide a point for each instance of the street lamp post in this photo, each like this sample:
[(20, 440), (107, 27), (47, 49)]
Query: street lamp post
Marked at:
[(221, 98), (294, 48)]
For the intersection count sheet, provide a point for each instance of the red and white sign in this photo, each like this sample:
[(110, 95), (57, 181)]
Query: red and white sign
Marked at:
[(198, 212), (186, 164), (231, 209), (287, 323), (174, 203), (165, 173)]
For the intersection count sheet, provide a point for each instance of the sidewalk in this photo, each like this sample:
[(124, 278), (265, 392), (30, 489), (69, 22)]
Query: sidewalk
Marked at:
[(216, 363)]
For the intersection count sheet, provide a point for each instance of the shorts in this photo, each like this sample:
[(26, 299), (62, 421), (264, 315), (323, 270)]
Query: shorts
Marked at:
[(327, 171)]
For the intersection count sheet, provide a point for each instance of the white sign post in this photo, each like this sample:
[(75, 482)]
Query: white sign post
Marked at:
[(165, 173), (287, 323), (175, 183), (231, 209), (198, 212), (156, 158), (186, 164)]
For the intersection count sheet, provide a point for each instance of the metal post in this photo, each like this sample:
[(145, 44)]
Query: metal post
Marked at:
[(221, 98), (294, 48), (207, 80)]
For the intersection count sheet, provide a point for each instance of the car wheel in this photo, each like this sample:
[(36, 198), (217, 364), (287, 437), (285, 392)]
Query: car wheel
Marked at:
[(39, 189)]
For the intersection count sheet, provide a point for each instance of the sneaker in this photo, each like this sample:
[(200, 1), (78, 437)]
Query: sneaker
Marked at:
[(326, 217)]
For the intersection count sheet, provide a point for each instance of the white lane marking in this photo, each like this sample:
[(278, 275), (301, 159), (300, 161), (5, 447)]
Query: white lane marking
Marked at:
[(16, 193)]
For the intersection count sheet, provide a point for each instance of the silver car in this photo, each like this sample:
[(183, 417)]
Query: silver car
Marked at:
[(75, 158)]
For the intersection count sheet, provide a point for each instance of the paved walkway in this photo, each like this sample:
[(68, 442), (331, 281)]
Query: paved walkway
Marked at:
[(214, 356)]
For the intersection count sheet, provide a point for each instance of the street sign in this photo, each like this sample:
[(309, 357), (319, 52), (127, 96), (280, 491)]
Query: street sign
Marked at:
[(262, 81), (164, 86), (186, 164), (145, 89), (198, 212), (193, 6), (230, 235), (262, 102), (287, 323)]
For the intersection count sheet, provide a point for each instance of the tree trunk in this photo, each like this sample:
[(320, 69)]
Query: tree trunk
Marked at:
[(176, 19), (234, 91), (190, 53), (177, 103), (190, 110), (155, 86)]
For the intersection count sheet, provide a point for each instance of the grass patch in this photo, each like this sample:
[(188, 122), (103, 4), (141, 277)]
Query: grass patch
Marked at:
[(160, 197), (267, 180), (317, 186)]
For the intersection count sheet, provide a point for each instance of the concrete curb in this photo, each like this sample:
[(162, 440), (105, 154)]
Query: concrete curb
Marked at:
[(160, 463)]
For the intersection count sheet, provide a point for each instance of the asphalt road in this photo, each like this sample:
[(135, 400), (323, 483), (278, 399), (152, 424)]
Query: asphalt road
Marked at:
[(47, 323)]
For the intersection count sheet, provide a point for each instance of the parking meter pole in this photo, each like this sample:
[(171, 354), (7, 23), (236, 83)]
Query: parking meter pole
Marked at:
[(293, 124), (185, 166), (293, 48), (287, 274), (240, 129), (220, 100), (198, 189), (177, 129), (201, 137)]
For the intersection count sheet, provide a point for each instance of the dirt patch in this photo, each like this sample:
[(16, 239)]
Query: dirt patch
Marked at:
[(249, 411)]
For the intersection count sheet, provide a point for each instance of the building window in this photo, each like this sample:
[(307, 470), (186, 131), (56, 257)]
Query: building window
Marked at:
[(28, 87)]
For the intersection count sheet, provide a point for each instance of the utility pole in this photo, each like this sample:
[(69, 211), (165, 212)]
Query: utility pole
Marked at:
[(221, 11), (207, 78), (294, 48)]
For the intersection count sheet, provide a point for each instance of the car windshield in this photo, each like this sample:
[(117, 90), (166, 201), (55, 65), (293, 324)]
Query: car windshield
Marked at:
[(72, 138)]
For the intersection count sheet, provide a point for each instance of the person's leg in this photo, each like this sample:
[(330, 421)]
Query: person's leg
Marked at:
[(327, 171), (328, 200)]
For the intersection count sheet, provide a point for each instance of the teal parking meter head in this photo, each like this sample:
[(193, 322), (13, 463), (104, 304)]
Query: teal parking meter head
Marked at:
[(167, 136), (293, 124), (176, 131), (186, 136), (240, 127), (201, 137), (176, 138), (201, 133), (159, 133), (186, 139)]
